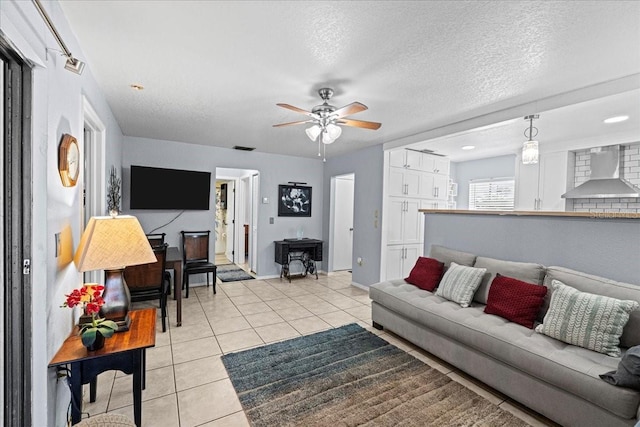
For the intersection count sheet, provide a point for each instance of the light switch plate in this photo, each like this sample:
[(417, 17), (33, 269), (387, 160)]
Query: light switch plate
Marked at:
[(265, 200)]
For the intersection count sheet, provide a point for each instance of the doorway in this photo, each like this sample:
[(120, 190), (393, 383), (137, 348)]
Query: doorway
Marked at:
[(93, 178), (342, 202), (236, 217)]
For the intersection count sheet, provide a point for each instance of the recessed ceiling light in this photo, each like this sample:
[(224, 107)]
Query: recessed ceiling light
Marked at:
[(468, 147), (616, 119), (136, 87)]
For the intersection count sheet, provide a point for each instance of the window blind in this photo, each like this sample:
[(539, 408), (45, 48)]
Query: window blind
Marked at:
[(492, 194)]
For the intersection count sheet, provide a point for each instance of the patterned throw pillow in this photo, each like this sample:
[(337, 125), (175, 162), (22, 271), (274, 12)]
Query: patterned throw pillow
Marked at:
[(515, 300), (426, 273), (460, 283), (586, 320)]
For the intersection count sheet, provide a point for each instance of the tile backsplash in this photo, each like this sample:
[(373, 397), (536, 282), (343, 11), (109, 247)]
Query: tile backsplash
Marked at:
[(629, 170)]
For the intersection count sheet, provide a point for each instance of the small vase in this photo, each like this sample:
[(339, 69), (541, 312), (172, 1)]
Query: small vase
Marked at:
[(97, 344)]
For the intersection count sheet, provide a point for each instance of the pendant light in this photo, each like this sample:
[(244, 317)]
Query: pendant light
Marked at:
[(530, 147)]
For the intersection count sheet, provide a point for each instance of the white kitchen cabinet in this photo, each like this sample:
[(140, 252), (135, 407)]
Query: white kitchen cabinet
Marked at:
[(406, 159), (434, 204), (401, 259), (540, 186), (433, 186), (435, 164), (414, 181), (405, 222), (404, 182)]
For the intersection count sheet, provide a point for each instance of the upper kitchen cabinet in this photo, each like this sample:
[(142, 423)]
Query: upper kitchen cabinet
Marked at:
[(407, 159), (435, 164), (539, 187)]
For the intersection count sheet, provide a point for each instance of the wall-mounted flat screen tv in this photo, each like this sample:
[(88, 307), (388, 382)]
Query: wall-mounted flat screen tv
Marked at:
[(159, 188)]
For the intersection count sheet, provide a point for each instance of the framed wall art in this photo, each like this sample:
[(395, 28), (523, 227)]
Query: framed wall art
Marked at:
[(294, 200)]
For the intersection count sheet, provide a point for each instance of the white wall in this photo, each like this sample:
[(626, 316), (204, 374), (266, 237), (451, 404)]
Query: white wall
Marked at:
[(57, 109), (493, 167), (274, 170)]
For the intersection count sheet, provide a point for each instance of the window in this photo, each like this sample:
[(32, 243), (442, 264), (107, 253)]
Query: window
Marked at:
[(492, 194)]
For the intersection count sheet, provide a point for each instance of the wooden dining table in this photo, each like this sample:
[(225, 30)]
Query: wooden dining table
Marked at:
[(174, 261)]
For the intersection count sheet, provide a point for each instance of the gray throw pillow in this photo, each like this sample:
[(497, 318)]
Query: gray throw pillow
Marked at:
[(628, 373), (586, 320)]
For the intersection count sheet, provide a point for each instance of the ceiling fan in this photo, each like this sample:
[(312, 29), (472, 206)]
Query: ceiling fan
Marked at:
[(327, 119)]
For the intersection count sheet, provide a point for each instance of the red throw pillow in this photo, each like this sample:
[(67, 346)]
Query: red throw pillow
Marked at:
[(515, 300), (426, 274)]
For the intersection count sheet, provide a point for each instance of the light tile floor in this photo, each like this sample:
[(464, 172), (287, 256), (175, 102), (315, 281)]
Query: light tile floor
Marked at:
[(187, 384)]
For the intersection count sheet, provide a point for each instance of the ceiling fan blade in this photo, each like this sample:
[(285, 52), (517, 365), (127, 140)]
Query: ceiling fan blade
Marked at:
[(292, 123), (360, 124), (347, 110), (297, 110)]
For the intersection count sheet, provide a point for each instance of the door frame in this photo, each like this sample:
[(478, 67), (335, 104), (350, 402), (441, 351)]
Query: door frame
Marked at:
[(16, 323)]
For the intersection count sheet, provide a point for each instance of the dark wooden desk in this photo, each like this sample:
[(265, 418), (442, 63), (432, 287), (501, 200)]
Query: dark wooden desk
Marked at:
[(311, 250), (124, 351), (174, 260)]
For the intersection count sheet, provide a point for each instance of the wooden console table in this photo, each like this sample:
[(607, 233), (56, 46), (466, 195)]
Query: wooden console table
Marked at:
[(174, 261), (308, 251), (124, 351)]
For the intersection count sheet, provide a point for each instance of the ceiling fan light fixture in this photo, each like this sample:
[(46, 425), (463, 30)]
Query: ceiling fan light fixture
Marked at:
[(313, 132), (331, 133)]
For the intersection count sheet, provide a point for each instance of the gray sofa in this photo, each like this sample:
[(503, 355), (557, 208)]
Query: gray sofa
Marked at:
[(558, 380)]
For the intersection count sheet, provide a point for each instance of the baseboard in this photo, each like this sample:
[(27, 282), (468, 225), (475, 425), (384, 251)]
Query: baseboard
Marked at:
[(359, 285)]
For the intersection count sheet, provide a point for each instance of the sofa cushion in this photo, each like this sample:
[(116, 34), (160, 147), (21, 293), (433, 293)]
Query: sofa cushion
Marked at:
[(426, 274), (586, 320), (515, 300), (568, 367), (525, 271), (598, 285), (459, 283), (447, 256)]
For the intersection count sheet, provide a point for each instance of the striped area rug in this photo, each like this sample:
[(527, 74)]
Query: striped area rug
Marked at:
[(350, 377)]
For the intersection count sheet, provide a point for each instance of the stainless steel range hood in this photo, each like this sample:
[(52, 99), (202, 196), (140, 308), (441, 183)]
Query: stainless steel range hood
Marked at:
[(605, 180)]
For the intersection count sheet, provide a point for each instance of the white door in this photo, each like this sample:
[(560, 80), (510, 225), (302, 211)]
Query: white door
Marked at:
[(231, 215), (343, 222), (396, 182)]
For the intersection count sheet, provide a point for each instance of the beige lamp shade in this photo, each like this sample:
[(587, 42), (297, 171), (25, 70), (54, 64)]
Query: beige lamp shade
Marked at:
[(110, 243)]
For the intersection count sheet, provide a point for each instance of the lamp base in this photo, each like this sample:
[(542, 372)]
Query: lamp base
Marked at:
[(123, 325), (117, 299)]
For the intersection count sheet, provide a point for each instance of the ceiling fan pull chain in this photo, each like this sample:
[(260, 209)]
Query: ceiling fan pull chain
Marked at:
[(324, 153), (319, 138)]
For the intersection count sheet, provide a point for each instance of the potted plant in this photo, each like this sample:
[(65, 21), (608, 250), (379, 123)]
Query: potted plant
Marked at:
[(113, 193), (92, 333)]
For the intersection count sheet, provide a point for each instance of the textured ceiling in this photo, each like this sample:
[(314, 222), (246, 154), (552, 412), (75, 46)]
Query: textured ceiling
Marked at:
[(213, 71)]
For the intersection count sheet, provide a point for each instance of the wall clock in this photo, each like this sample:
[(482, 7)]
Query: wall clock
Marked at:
[(69, 160)]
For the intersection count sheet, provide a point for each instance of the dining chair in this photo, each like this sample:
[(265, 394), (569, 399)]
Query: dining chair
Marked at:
[(156, 239), (150, 281), (195, 257)]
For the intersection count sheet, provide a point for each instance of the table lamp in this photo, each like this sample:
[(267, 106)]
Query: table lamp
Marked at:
[(111, 244)]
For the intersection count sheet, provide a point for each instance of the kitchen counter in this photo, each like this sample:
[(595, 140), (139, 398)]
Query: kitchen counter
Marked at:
[(595, 215)]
